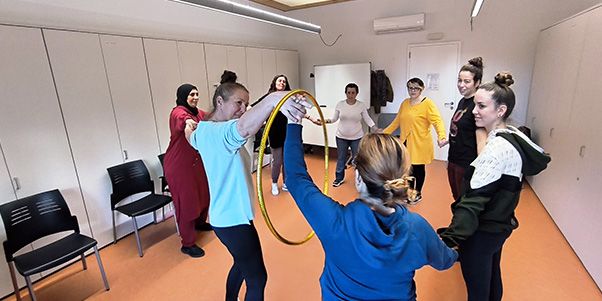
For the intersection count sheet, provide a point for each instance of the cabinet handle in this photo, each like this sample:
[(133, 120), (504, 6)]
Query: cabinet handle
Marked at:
[(582, 151), (551, 132), (125, 154), (17, 183)]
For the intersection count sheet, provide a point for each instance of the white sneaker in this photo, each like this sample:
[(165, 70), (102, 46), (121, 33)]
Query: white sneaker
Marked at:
[(275, 190), (284, 188)]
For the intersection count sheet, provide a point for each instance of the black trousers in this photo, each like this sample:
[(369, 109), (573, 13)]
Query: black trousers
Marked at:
[(480, 257), (419, 172), (243, 244)]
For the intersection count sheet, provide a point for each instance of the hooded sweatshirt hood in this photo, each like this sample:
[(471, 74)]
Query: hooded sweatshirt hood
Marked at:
[(534, 158)]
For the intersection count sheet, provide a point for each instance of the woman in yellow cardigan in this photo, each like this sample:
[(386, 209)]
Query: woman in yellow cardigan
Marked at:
[(415, 117)]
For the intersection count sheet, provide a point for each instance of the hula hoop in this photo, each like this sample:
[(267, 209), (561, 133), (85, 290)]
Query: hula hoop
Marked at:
[(262, 146)]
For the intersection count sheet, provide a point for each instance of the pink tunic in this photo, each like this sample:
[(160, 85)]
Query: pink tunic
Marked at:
[(184, 169)]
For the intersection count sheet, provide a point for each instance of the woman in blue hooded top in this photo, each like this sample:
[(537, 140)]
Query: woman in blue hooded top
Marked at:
[(373, 245)]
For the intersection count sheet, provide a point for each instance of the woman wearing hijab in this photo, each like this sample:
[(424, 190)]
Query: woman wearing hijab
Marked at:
[(185, 172)]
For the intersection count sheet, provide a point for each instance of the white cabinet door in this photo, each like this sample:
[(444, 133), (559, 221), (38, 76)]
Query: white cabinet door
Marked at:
[(581, 223), (237, 62), (550, 105), (268, 63), (164, 76), (130, 93), (7, 194), (217, 62), (84, 95), (193, 70), (34, 141), (287, 63), (33, 137), (255, 84)]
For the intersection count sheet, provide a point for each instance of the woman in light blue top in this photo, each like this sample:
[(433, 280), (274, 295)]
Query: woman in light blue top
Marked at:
[(220, 140)]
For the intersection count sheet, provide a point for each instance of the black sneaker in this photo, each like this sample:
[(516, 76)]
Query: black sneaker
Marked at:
[(204, 226), (337, 183), (193, 251), (416, 200)]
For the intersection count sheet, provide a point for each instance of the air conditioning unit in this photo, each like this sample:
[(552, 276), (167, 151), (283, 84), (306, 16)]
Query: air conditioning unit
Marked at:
[(399, 24)]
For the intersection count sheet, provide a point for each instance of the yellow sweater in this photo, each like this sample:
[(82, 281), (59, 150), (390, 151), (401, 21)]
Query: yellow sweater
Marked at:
[(415, 122)]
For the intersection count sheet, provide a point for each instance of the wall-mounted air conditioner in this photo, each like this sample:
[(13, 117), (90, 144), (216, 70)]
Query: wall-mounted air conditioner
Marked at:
[(399, 24)]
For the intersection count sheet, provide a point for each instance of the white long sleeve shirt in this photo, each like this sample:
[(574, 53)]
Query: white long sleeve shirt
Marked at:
[(351, 116)]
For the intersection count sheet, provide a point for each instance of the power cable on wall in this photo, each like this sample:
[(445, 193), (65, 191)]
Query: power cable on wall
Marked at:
[(330, 45)]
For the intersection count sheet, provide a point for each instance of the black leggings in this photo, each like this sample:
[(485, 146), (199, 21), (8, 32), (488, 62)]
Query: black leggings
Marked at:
[(480, 257), (419, 172), (243, 244)]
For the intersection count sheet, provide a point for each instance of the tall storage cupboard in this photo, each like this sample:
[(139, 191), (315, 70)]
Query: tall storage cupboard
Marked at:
[(564, 110)]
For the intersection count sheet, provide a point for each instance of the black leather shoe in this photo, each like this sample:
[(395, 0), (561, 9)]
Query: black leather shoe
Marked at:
[(203, 226), (193, 251)]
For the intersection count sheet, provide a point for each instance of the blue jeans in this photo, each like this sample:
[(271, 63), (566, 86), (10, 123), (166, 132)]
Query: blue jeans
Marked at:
[(342, 146)]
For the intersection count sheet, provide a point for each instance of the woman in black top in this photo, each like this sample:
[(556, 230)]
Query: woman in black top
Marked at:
[(277, 133), (464, 135)]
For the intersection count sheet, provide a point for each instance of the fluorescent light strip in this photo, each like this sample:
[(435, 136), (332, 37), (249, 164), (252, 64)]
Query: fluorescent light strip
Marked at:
[(238, 9), (477, 7)]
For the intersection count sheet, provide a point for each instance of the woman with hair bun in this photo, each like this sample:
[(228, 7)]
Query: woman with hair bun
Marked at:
[(483, 217), (374, 244), (220, 140), (465, 138)]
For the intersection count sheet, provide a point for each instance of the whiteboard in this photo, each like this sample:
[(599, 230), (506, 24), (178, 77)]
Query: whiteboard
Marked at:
[(330, 82)]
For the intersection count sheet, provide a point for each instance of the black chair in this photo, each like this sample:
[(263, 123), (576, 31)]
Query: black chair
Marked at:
[(128, 179), (31, 218), (164, 184), (165, 189)]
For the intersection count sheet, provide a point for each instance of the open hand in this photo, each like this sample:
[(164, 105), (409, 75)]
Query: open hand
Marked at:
[(295, 108)]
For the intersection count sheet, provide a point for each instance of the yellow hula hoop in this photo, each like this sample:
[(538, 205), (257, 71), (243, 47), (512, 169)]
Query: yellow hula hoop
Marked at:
[(264, 139)]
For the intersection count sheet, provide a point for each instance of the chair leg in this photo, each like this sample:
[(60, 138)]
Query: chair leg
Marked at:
[(102, 269), (137, 236), (175, 219), (84, 264), (30, 288), (155, 217), (11, 267), (114, 231)]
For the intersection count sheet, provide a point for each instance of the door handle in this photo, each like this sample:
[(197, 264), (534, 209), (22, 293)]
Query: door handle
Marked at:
[(17, 183), (582, 151), (125, 154)]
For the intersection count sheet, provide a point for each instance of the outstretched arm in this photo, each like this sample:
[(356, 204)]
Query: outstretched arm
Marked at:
[(319, 210), (252, 120)]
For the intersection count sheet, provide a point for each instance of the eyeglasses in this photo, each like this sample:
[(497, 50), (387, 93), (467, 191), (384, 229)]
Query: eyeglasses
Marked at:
[(414, 88)]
